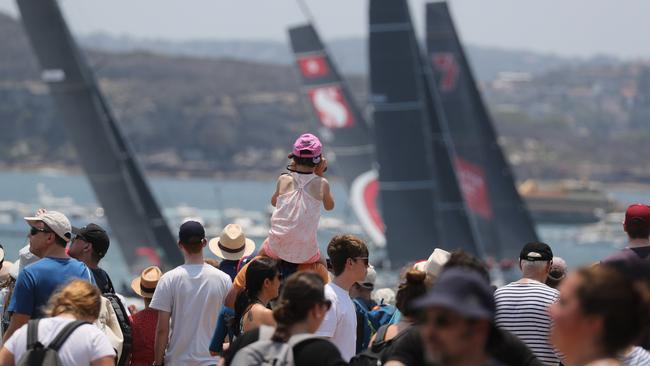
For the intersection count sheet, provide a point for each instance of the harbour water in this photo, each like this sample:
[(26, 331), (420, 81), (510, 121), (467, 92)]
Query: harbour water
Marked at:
[(221, 201)]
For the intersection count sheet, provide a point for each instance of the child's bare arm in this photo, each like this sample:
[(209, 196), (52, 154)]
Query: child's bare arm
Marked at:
[(328, 200), (274, 198)]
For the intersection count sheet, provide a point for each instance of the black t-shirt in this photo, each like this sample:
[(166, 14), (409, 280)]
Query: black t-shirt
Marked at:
[(312, 352), (103, 281), (505, 348)]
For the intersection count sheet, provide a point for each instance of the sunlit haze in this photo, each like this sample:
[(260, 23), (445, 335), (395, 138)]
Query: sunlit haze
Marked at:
[(565, 27)]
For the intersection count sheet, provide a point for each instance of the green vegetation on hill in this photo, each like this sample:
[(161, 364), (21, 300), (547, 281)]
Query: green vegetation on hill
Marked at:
[(203, 116)]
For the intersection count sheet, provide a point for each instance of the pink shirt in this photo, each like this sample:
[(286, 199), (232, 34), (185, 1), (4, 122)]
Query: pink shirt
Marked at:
[(294, 224)]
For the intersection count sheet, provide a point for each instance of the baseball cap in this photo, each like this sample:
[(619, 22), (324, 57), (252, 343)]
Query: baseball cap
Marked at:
[(307, 146), (56, 221), (637, 214), (95, 235), (191, 230), (369, 281), (536, 251), (462, 290)]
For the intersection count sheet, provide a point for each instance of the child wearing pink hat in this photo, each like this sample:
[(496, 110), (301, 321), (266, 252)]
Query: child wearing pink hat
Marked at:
[(297, 200)]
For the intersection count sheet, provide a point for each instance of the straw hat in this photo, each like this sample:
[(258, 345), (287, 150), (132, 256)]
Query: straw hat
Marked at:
[(6, 269), (146, 283), (433, 265), (232, 244)]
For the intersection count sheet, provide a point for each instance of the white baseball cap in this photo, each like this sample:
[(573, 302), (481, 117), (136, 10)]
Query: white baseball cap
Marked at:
[(56, 221), (369, 281)]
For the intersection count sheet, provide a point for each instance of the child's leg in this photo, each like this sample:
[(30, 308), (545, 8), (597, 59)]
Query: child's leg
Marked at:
[(317, 267)]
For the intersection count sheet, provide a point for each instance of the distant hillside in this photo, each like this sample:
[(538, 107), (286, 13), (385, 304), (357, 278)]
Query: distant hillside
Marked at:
[(350, 54), (237, 116)]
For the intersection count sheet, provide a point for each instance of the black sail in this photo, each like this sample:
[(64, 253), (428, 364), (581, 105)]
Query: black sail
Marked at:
[(485, 176), (342, 126), (402, 134), (105, 156)]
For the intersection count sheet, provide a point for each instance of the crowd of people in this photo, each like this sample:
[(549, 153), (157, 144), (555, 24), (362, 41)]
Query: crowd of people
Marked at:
[(284, 303)]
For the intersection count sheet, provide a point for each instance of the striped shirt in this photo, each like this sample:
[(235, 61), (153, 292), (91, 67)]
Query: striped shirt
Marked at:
[(522, 309), (638, 357)]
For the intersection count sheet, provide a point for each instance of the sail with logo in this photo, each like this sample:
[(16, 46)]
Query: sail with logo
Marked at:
[(403, 137), (485, 176), (105, 156), (342, 125)]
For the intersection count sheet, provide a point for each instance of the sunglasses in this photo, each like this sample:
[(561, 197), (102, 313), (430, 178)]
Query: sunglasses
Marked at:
[(34, 230), (365, 260), (443, 320)]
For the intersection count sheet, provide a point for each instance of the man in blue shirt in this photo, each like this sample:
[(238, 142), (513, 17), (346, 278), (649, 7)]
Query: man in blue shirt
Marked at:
[(48, 236)]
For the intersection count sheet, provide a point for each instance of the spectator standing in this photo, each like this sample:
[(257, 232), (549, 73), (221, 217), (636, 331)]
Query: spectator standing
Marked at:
[(601, 313), (231, 246), (48, 236), (262, 286), (89, 245), (87, 345), (143, 323), (558, 272), (637, 227), (522, 306), (188, 295), (301, 308), (459, 317), (349, 256), (360, 292)]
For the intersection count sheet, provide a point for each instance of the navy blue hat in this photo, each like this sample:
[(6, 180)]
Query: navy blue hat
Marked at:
[(191, 232), (536, 251), (462, 290)]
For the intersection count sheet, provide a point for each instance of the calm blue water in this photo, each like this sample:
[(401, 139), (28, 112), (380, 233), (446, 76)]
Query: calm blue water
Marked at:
[(254, 196)]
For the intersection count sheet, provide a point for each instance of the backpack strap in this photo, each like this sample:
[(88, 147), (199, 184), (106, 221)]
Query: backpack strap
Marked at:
[(32, 334), (63, 335), (266, 333), (381, 333)]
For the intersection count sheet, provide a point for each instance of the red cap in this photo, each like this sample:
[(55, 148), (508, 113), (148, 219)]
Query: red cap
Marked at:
[(637, 214)]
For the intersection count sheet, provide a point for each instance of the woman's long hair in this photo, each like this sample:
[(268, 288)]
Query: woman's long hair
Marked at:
[(79, 298), (301, 292), (258, 270)]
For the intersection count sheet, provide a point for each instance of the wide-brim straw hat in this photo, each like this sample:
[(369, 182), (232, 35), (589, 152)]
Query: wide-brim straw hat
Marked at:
[(6, 270), (145, 284), (232, 244)]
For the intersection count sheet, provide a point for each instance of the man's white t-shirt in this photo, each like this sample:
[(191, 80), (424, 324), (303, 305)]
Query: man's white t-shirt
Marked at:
[(193, 294), (86, 344), (340, 323)]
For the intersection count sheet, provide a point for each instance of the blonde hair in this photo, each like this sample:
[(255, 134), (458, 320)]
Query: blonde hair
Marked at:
[(78, 297)]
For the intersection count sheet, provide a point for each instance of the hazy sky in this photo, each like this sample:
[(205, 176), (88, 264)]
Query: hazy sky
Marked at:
[(566, 27)]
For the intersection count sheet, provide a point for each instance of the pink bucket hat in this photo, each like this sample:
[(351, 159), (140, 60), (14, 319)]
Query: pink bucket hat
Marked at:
[(307, 146)]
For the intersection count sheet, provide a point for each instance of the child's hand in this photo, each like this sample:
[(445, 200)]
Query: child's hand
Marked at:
[(321, 167)]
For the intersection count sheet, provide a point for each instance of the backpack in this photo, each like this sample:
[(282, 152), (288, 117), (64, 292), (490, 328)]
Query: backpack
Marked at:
[(372, 356), (365, 328), (114, 321), (381, 314), (37, 354), (266, 352)]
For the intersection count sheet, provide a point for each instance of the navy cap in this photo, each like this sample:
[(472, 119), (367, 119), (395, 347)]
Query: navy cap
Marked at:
[(95, 235), (191, 232), (536, 251), (463, 291)]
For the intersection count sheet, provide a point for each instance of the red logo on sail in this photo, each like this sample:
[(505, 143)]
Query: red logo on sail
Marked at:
[(474, 187), (445, 64), (331, 107), (364, 193), (313, 66)]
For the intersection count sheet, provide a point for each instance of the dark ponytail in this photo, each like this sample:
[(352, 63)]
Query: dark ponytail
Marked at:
[(301, 292), (258, 270)]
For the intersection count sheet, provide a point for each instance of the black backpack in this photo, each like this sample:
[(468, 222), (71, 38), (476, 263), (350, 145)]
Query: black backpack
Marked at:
[(37, 354), (372, 356)]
